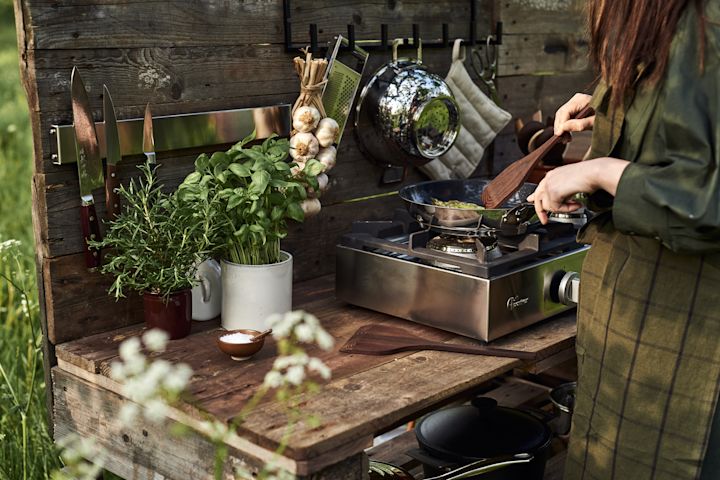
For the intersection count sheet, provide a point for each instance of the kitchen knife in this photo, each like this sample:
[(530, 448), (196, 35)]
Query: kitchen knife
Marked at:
[(148, 140), (112, 147), (90, 173)]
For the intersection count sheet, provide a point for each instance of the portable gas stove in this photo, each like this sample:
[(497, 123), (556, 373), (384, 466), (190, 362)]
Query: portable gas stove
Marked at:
[(483, 285)]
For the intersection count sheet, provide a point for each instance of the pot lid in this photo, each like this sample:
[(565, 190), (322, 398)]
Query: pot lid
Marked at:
[(481, 430)]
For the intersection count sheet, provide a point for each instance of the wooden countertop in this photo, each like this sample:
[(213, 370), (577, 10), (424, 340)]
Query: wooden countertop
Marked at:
[(367, 394)]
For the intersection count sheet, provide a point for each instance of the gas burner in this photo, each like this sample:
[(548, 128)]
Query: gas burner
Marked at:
[(483, 248)]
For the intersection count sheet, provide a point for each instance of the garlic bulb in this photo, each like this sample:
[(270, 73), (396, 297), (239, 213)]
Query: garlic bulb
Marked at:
[(311, 207), (295, 171), (303, 147), (327, 131), (305, 119), (326, 156), (323, 182)]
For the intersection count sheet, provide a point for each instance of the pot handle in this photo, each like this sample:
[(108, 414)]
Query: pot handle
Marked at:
[(204, 288), (484, 466), (399, 41)]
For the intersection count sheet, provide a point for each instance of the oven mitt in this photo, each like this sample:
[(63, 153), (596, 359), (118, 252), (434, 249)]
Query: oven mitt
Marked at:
[(480, 118)]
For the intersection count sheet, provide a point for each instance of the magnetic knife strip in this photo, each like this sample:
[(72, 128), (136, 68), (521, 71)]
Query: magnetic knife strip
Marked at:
[(175, 132)]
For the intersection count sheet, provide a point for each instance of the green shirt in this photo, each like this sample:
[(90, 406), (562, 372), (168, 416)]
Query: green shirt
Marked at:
[(671, 134)]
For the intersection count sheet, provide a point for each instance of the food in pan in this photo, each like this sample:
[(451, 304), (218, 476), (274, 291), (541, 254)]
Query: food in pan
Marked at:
[(457, 204)]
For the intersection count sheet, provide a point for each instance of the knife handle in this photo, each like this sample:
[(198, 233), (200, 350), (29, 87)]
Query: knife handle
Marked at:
[(91, 231), (112, 199)]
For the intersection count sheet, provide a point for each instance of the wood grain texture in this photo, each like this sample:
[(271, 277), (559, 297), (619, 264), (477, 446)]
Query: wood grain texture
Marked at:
[(522, 17), (388, 390)]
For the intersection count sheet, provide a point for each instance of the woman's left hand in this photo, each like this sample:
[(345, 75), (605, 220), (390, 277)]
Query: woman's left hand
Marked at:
[(555, 191)]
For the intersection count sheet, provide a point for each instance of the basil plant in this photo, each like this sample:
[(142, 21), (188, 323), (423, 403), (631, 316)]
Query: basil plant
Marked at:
[(251, 194)]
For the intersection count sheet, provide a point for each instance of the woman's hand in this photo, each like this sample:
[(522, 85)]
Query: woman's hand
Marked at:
[(554, 193), (563, 121)]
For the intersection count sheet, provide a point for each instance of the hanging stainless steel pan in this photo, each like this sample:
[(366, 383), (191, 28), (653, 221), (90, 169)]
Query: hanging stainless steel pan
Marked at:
[(512, 218), (406, 115)]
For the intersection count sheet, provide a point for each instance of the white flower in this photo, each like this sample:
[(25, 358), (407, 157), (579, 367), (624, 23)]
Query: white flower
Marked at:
[(158, 371), (127, 414), (135, 366), (295, 374), (317, 365), (156, 410), (156, 340), (130, 349), (217, 431), (178, 379), (9, 245), (324, 339), (139, 389), (304, 332), (117, 371), (273, 379)]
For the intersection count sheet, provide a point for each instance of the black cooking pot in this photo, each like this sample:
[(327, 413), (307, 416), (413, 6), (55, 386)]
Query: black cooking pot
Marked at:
[(498, 443)]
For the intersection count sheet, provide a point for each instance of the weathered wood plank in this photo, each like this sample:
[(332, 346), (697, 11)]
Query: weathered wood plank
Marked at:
[(547, 54), (395, 392), (387, 390), (145, 450), (62, 24), (542, 16)]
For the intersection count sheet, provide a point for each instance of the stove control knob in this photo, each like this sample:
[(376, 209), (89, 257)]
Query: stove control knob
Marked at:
[(569, 289)]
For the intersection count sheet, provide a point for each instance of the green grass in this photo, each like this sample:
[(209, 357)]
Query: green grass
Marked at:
[(26, 449)]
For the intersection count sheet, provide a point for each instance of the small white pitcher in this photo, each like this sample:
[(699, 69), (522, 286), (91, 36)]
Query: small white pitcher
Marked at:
[(207, 294)]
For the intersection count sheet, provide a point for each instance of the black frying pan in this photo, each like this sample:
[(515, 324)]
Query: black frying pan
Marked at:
[(516, 212)]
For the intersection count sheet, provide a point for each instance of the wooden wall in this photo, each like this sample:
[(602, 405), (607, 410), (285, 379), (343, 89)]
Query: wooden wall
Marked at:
[(191, 56)]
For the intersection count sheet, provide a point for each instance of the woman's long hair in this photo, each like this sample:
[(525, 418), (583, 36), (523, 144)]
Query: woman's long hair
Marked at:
[(628, 34)]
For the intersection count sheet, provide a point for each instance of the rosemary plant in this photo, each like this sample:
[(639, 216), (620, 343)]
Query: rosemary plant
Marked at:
[(250, 193), (156, 242)]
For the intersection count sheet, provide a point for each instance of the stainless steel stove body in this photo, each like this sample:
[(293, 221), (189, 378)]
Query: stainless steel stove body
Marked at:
[(387, 266)]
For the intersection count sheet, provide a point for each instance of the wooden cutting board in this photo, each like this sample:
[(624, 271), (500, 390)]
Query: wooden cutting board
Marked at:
[(385, 340)]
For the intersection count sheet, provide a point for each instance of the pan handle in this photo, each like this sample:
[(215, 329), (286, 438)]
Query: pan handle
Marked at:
[(519, 214), (484, 466)]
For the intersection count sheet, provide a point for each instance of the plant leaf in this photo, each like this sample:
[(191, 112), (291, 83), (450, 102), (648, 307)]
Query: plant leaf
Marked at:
[(240, 170), (295, 212), (260, 180)]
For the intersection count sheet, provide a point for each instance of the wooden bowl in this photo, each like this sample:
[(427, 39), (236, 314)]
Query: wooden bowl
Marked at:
[(240, 351)]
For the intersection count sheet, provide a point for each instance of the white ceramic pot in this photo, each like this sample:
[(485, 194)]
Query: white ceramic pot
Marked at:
[(207, 294), (251, 293)]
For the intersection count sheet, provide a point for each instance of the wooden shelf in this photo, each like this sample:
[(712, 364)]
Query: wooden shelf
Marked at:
[(367, 394)]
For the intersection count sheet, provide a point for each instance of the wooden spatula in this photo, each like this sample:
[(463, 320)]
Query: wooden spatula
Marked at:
[(385, 340), (512, 178)]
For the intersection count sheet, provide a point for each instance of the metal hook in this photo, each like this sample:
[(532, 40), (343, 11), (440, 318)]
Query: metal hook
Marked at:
[(384, 35), (313, 38), (351, 36)]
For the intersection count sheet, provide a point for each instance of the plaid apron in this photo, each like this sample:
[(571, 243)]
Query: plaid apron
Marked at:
[(648, 359)]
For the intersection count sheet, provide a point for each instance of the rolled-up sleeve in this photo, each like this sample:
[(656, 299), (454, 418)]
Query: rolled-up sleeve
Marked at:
[(676, 198)]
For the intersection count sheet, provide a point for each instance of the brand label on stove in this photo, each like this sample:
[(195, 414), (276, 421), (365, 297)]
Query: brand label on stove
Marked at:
[(516, 302)]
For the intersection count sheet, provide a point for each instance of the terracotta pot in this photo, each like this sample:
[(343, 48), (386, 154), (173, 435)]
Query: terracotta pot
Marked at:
[(174, 316)]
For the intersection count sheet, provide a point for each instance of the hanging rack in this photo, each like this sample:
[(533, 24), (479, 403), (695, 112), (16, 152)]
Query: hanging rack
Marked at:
[(384, 43)]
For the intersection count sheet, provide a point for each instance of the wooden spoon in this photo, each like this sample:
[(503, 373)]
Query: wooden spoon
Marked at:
[(512, 178), (261, 335)]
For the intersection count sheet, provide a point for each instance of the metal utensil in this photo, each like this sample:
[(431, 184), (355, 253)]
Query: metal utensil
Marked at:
[(485, 67), (512, 178), (148, 139), (342, 83), (90, 175), (112, 147)]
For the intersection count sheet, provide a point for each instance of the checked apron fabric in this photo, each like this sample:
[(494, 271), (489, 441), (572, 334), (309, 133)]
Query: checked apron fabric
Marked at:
[(648, 341), (648, 360)]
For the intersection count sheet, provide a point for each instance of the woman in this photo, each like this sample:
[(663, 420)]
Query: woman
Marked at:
[(648, 340)]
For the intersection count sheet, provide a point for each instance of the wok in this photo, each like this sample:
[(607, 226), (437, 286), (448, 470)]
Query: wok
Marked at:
[(512, 218)]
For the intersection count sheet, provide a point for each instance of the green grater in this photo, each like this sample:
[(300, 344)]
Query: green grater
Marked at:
[(342, 84)]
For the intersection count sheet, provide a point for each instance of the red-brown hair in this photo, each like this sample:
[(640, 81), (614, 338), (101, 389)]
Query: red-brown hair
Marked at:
[(625, 34)]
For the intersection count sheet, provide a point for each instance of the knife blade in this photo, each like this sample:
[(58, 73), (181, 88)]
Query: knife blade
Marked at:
[(90, 174), (112, 147), (148, 139)]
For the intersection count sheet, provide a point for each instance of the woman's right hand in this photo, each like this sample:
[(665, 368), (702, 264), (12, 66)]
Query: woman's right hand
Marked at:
[(564, 122)]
